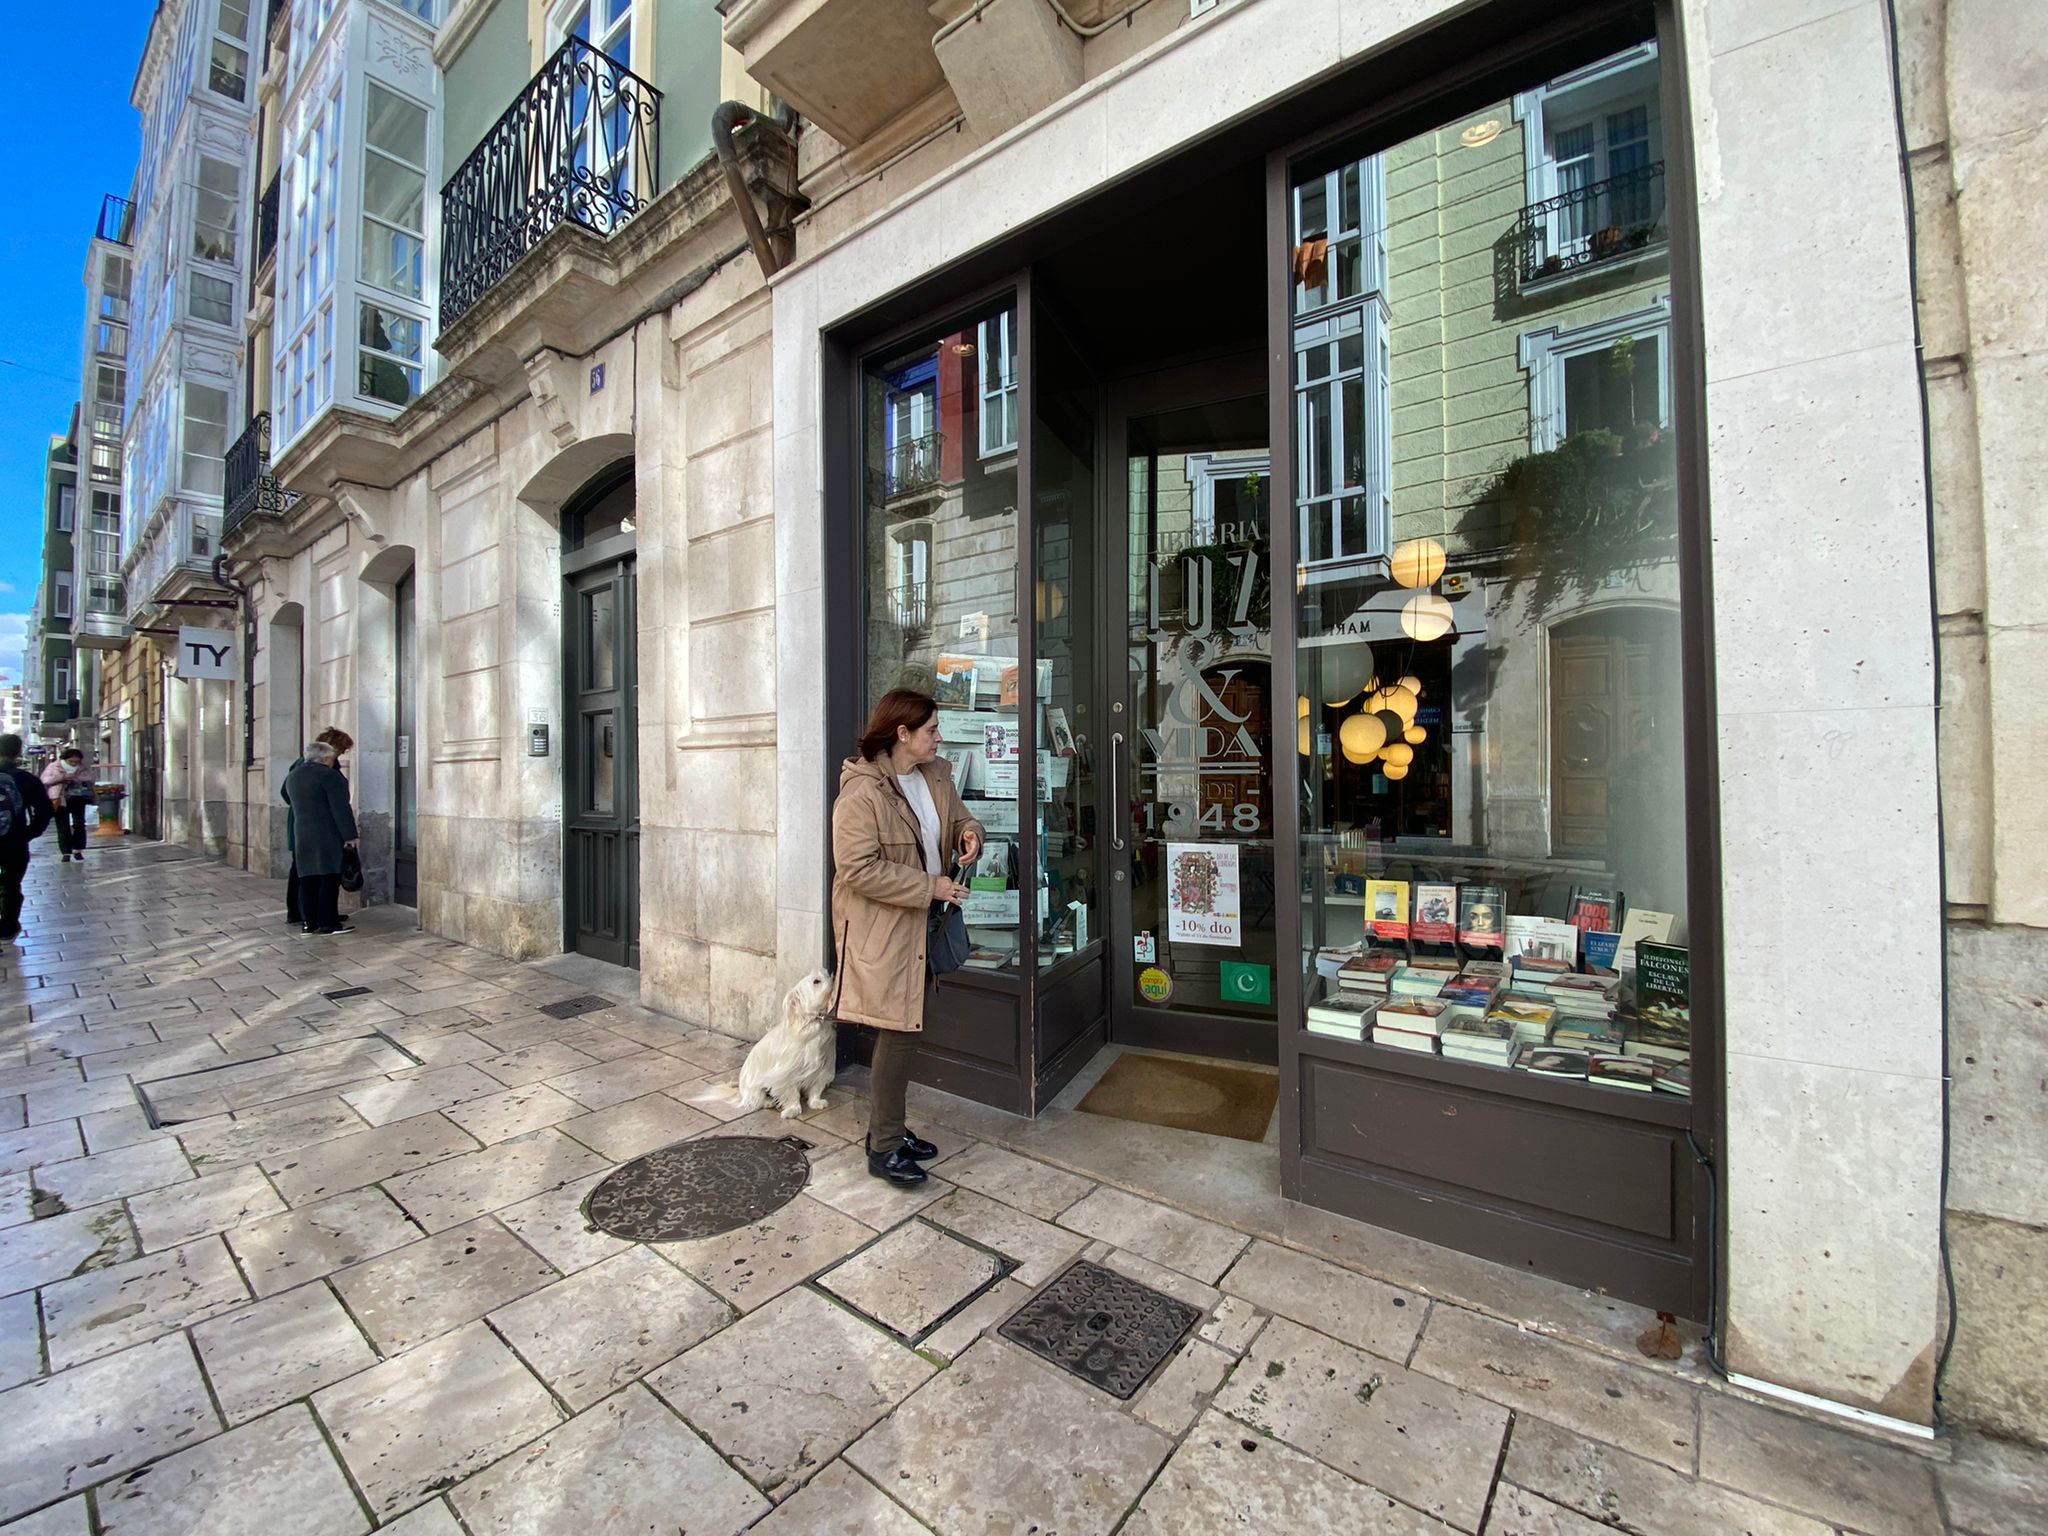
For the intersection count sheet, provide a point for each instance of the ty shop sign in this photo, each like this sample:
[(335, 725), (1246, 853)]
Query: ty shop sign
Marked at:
[(206, 653)]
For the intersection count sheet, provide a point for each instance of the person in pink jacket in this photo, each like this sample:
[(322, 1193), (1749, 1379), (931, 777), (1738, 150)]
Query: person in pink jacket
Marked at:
[(70, 785)]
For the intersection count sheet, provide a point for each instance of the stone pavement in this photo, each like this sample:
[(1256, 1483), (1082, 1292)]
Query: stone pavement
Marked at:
[(348, 1286)]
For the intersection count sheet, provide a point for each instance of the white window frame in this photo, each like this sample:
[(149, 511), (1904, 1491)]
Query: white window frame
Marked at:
[(60, 595), (1543, 354), (67, 508), (186, 417), (1622, 79), (910, 571), (996, 338), (60, 682), (219, 37), (417, 236), (303, 369)]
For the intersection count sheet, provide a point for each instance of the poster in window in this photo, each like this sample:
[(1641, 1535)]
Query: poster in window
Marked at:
[(1202, 894)]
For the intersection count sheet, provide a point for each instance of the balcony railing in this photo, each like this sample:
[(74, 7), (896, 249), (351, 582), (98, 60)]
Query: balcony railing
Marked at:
[(248, 487), (117, 220), (577, 146), (1602, 221), (907, 468)]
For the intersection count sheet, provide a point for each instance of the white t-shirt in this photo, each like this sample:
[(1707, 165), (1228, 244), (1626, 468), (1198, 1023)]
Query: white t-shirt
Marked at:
[(919, 794)]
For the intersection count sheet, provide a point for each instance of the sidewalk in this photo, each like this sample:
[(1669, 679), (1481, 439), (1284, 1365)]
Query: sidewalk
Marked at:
[(349, 1285)]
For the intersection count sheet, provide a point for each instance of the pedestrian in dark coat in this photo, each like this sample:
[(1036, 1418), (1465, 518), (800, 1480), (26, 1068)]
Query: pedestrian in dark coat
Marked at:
[(25, 823), (341, 741), (322, 827)]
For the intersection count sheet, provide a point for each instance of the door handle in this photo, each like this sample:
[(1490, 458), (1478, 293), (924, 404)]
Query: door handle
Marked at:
[(1118, 810)]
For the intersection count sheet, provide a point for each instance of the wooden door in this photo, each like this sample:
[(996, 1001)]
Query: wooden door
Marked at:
[(1600, 697)]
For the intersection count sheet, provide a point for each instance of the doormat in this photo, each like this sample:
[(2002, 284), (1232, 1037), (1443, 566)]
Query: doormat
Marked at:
[(1204, 1096), (1101, 1326)]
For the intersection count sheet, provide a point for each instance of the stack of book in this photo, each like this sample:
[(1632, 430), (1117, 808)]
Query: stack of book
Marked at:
[(1658, 1042), (1423, 977), (1584, 997), (1551, 1060), (1330, 959), (1493, 972), (1600, 1035), (1490, 1042), (1612, 1071), (1469, 995), (1529, 1017), (1410, 1023), (1368, 974), (1531, 973), (1342, 1015), (1672, 1077)]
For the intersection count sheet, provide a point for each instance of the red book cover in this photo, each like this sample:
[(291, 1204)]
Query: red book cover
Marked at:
[(1436, 915)]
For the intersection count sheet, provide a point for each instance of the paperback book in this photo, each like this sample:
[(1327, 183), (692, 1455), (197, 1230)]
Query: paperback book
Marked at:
[(1620, 1072), (1386, 909), (1372, 971), (1552, 1061), (953, 683), (1594, 911), (1342, 1018), (1489, 1041), (1436, 914), (1482, 916), (1542, 938), (1664, 986)]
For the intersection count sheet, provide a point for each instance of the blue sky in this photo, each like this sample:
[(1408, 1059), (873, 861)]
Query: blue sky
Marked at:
[(72, 138)]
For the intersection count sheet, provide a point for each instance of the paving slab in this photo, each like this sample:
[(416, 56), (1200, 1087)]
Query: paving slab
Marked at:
[(70, 1518), (1023, 1182), (65, 1432), (606, 1083), (600, 1044), (1203, 1298), (612, 1323), (1830, 1474), (627, 1467), (1995, 1485), (460, 1188), (258, 1134), (1000, 1442), (296, 1246), (59, 1247), (1617, 1489), (21, 1340), (439, 1283), (66, 1101), (709, 1095), (532, 1063), (752, 1265), (104, 1176), (280, 1349), (987, 1312), (1157, 1232), (911, 1277), (1225, 1479), (122, 1126), (840, 1179), (108, 1310), (329, 1168), (636, 1127), (274, 1475), (17, 1199), (451, 1049), (1416, 1439), (1040, 1249), (211, 1203), (1518, 1512), (25, 1147), (420, 1094), (785, 1390), (433, 1416), (513, 1112), (1352, 1307), (1643, 1411), (839, 1502), (552, 1223), (1233, 1327), (435, 1519)]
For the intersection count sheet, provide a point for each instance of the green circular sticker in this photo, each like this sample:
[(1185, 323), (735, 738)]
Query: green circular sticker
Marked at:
[(1154, 985)]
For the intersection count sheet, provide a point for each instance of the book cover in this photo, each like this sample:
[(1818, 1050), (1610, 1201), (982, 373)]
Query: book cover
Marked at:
[(1006, 691), (1671, 1077), (1436, 914), (954, 681), (1482, 915), (1594, 911), (1498, 1030), (1553, 1061), (1062, 734), (1642, 923), (1602, 950), (1541, 938), (1664, 985), (1386, 909), (1621, 1072)]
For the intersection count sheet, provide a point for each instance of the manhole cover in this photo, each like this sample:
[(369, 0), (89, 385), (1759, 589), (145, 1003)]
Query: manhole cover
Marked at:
[(569, 1008), (699, 1188), (1101, 1326)]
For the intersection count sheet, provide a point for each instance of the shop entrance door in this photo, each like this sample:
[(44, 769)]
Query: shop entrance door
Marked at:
[(1193, 901), (601, 827)]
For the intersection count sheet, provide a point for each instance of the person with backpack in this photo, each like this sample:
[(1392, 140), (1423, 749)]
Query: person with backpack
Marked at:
[(69, 785), (24, 813)]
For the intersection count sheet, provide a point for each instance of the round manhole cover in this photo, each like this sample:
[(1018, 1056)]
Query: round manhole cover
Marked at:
[(699, 1188)]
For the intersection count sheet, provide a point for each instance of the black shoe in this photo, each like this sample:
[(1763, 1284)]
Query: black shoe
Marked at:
[(337, 928), (895, 1165), (918, 1147)]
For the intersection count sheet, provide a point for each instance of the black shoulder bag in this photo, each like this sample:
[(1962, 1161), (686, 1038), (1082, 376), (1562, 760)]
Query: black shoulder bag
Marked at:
[(946, 943)]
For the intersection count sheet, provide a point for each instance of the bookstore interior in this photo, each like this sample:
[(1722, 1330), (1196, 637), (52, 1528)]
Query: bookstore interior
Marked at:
[(1449, 900)]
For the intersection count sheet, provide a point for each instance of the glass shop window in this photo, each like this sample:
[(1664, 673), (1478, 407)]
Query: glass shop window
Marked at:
[(1489, 731), (940, 550)]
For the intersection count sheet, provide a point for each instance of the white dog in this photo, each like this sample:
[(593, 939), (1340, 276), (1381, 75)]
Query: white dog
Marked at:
[(795, 1058)]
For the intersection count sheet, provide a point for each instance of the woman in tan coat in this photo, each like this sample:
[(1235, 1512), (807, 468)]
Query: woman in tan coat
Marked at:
[(896, 828)]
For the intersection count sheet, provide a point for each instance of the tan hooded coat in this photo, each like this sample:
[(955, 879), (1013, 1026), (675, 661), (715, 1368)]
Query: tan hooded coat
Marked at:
[(881, 893)]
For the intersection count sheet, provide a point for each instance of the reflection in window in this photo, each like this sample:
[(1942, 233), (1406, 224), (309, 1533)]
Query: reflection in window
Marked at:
[(940, 556), (390, 353), (996, 345), (1489, 725)]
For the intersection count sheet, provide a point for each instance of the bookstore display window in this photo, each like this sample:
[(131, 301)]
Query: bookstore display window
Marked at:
[(939, 541), (1489, 727)]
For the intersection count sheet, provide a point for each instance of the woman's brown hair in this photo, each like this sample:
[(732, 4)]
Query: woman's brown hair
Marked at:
[(899, 707), (337, 738)]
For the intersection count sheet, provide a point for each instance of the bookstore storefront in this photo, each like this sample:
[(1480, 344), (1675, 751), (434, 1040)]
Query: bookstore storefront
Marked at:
[(1306, 545)]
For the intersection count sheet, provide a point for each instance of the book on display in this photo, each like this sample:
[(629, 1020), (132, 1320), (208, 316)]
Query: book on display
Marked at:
[(1341, 1018), (1552, 1061), (1423, 978), (1482, 916), (1588, 1034), (1369, 972), (1421, 1013), (1542, 938), (1530, 1017), (1657, 1044), (1489, 1041), (1593, 911), (1386, 909), (1436, 914), (1628, 1072), (1671, 1077), (1664, 986)]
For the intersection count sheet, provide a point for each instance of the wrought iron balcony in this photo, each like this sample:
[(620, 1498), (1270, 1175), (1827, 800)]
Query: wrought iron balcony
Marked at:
[(1600, 222), (248, 486), (577, 146), (266, 221), (117, 220), (908, 468)]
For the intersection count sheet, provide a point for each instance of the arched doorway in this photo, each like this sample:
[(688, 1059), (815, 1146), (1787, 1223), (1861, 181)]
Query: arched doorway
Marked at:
[(600, 719)]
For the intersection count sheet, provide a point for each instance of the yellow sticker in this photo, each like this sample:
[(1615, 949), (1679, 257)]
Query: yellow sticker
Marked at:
[(1154, 985)]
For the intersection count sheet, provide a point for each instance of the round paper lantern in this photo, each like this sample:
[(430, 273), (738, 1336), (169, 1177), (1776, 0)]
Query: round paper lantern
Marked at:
[(1361, 736), (1396, 771), (1426, 617), (1392, 724), (1415, 735), (1345, 670), (1301, 734), (1418, 562), (1402, 703), (1301, 707), (1399, 753), (1412, 683)]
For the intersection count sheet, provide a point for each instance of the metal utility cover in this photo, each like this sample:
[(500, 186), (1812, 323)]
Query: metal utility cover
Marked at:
[(699, 1188), (569, 1008), (1101, 1326)]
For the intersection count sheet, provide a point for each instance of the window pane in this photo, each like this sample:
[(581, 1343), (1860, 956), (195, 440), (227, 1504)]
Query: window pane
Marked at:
[(1491, 735), (206, 437), (393, 193), (213, 299), (395, 125), (228, 72), (940, 554), (234, 18), (392, 260)]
